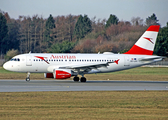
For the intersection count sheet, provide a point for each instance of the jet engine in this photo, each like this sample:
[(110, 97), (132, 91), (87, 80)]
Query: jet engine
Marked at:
[(48, 75), (62, 73)]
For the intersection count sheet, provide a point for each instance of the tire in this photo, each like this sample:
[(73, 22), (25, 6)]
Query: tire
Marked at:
[(76, 79), (27, 79), (83, 79)]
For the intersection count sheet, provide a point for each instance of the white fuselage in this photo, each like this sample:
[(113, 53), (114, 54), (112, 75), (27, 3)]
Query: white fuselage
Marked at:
[(31, 63)]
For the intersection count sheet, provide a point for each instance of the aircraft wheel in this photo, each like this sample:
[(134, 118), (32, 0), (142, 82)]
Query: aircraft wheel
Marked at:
[(76, 79), (83, 79), (27, 79)]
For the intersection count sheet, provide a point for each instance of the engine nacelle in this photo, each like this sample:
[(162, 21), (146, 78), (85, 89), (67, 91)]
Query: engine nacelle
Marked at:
[(48, 75), (62, 73)]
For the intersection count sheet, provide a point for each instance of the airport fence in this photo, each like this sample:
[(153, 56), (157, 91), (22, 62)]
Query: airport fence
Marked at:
[(158, 64)]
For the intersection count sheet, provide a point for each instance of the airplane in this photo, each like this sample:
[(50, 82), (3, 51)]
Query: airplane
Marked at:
[(63, 66)]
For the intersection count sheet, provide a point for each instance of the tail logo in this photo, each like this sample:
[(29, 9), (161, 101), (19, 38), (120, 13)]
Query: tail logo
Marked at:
[(149, 39)]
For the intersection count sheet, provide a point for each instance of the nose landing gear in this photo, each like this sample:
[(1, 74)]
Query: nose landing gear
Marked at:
[(28, 77)]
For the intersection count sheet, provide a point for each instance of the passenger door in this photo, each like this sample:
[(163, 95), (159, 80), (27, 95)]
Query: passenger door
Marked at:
[(28, 60)]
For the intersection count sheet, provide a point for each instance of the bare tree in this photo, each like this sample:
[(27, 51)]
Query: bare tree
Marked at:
[(137, 21)]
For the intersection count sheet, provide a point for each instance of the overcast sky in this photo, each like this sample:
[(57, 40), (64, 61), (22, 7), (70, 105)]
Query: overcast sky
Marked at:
[(123, 9)]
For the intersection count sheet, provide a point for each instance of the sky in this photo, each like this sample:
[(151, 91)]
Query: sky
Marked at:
[(125, 10)]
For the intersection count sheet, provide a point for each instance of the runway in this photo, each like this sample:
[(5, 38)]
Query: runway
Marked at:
[(67, 85)]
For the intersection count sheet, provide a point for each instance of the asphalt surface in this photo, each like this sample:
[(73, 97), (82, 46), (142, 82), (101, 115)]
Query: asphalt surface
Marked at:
[(67, 85)]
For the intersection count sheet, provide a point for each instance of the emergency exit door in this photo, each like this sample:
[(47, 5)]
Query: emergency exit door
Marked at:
[(126, 61)]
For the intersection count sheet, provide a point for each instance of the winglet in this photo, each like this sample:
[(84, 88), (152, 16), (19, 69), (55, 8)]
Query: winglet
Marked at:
[(146, 43), (116, 61)]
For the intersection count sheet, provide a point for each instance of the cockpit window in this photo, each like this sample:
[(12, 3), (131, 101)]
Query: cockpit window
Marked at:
[(15, 59)]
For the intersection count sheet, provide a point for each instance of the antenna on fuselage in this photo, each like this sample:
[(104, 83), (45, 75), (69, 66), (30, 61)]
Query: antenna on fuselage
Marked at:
[(29, 52)]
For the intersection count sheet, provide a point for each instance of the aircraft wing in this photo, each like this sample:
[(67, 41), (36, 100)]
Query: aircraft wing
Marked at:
[(89, 66), (86, 66), (83, 67)]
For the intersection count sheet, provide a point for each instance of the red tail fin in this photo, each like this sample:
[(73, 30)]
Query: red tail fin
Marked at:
[(145, 44)]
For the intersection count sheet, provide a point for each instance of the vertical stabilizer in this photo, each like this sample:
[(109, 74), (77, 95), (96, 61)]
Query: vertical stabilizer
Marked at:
[(146, 43)]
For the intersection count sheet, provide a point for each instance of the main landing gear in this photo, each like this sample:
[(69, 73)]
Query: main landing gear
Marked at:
[(76, 79), (83, 79), (28, 77)]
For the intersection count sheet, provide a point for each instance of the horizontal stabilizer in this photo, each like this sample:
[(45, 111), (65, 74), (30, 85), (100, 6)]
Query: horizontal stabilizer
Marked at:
[(151, 59)]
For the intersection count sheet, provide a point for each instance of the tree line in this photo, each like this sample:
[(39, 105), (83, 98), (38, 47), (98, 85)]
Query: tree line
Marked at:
[(75, 33)]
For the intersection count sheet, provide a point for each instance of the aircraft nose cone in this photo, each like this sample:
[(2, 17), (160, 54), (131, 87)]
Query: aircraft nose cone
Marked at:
[(5, 66)]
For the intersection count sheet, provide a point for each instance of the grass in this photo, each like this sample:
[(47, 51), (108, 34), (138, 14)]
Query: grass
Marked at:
[(101, 105), (140, 73), (84, 105)]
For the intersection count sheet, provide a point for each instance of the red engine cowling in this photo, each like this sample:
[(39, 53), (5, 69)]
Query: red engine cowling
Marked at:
[(62, 73), (48, 75)]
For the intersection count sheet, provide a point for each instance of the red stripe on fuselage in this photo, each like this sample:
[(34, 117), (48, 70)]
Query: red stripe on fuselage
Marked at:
[(139, 51), (42, 58)]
